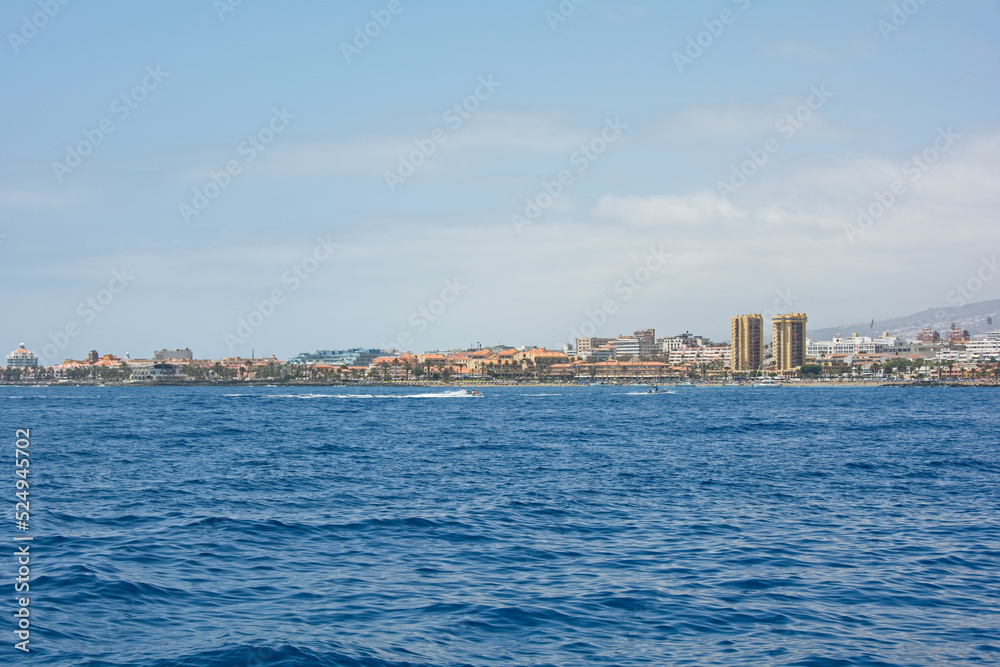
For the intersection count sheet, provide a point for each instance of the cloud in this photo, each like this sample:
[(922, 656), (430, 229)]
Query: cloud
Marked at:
[(737, 122), (667, 212), (481, 139)]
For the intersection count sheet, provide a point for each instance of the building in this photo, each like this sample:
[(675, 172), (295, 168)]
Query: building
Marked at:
[(686, 339), (22, 358), (747, 342), (700, 354), (641, 345), (854, 344), (956, 336), (928, 336), (154, 372), (884, 344), (585, 345), (602, 353), (988, 348), (634, 371), (645, 335), (165, 355), (788, 340), (353, 357)]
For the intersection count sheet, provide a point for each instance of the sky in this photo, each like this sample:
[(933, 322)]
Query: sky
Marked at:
[(271, 178)]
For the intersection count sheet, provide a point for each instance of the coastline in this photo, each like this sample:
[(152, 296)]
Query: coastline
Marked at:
[(896, 384)]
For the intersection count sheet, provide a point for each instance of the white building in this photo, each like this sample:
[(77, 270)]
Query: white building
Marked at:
[(148, 372), (686, 339), (635, 347), (165, 355), (987, 348), (22, 358), (585, 345), (700, 354), (884, 344), (602, 353)]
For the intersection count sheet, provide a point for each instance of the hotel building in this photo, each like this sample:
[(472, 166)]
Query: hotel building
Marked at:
[(788, 340), (639, 344), (22, 358), (747, 336), (353, 357)]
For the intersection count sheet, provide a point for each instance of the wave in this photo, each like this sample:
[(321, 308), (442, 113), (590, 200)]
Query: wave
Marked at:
[(286, 655), (457, 393)]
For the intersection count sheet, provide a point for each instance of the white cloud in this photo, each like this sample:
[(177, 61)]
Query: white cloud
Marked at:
[(667, 212), (738, 121), (483, 138)]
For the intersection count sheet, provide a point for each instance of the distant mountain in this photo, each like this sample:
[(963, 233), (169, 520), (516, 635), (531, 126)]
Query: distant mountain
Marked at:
[(971, 316)]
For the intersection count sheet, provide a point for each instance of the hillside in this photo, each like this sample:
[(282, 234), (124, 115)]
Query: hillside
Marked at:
[(971, 316)]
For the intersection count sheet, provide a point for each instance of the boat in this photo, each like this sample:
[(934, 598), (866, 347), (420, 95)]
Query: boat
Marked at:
[(471, 392), (684, 384), (767, 382)]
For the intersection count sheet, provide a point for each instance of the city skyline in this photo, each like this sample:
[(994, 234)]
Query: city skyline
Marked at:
[(790, 346), (339, 176)]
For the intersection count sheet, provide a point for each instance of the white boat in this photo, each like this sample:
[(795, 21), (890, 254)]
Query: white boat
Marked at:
[(684, 384), (767, 382)]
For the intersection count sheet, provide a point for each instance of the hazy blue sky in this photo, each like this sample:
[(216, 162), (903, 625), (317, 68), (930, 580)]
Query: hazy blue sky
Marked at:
[(133, 246)]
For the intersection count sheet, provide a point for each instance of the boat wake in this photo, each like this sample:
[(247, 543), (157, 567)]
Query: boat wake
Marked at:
[(458, 393)]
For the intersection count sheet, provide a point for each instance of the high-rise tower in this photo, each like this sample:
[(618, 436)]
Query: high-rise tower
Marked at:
[(747, 336), (788, 341)]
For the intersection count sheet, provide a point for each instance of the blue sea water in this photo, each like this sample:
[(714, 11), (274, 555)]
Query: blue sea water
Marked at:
[(214, 526)]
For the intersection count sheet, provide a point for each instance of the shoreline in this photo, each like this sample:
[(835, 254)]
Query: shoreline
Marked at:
[(894, 384)]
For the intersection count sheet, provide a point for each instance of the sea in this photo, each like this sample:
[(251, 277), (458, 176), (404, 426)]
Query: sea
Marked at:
[(385, 527)]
